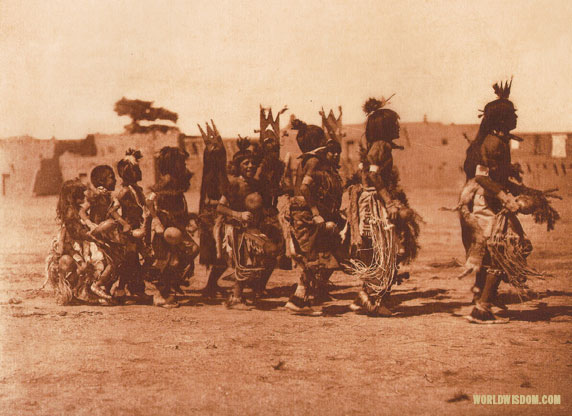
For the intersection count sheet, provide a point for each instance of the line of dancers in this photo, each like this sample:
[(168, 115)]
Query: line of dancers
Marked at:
[(258, 213)]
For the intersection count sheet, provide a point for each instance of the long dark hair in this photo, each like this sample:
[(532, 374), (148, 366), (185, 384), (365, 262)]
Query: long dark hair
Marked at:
[(70, 191), (382, 124), (172, 161), (214, 180), (498, 116)]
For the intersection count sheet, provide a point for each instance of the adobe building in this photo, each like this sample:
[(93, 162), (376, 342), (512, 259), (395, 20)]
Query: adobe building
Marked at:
[(432, 158), (110, 148), (546, 160), (434, 153), (37, 167), (20, 160)]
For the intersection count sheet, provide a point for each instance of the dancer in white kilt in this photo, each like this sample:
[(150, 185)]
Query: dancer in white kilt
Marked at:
[(494, 239)]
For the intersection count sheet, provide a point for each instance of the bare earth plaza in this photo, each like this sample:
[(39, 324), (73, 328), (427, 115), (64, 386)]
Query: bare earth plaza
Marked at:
[(291, 208)]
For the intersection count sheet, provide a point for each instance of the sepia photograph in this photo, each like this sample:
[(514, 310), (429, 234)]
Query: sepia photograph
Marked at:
[(285, 207)]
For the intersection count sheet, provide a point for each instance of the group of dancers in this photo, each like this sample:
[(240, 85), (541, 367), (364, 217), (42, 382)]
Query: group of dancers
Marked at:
[(257, 213)]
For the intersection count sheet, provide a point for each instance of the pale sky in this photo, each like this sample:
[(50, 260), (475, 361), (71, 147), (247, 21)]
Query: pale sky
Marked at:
[(64, 63)]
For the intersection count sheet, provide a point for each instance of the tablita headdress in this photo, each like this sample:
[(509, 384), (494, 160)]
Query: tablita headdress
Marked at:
[(212, 137), (270, 126), (332, 125)]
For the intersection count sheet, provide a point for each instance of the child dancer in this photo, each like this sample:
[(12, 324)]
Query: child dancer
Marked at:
[(133, 211), (68, 265), (100, 214)]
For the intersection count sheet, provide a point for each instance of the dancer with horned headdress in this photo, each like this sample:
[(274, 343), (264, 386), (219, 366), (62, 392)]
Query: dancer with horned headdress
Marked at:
[(274, 180), (494, 239), (239, 239), (314, 216), (384, 229), (213, 185)]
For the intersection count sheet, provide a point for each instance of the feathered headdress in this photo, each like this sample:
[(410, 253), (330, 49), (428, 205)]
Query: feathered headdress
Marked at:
[(373, 104), (382, 123), (242, 143), (503, 91), (128, 167), (244, 152), (132, 156)]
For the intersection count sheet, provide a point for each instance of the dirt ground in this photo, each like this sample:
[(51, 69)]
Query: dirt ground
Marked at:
[(204, 359)]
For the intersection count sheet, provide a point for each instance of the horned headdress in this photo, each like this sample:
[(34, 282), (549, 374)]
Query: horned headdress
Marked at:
[(214, 180)]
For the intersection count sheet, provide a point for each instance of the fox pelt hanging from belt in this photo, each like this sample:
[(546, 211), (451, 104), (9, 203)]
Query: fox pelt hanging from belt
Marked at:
[(537, 203), (508, 249), (508, 246)]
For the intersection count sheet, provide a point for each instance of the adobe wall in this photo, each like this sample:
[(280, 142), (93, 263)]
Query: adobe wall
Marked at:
[(19, 161), (432, 158), (112, 147)]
